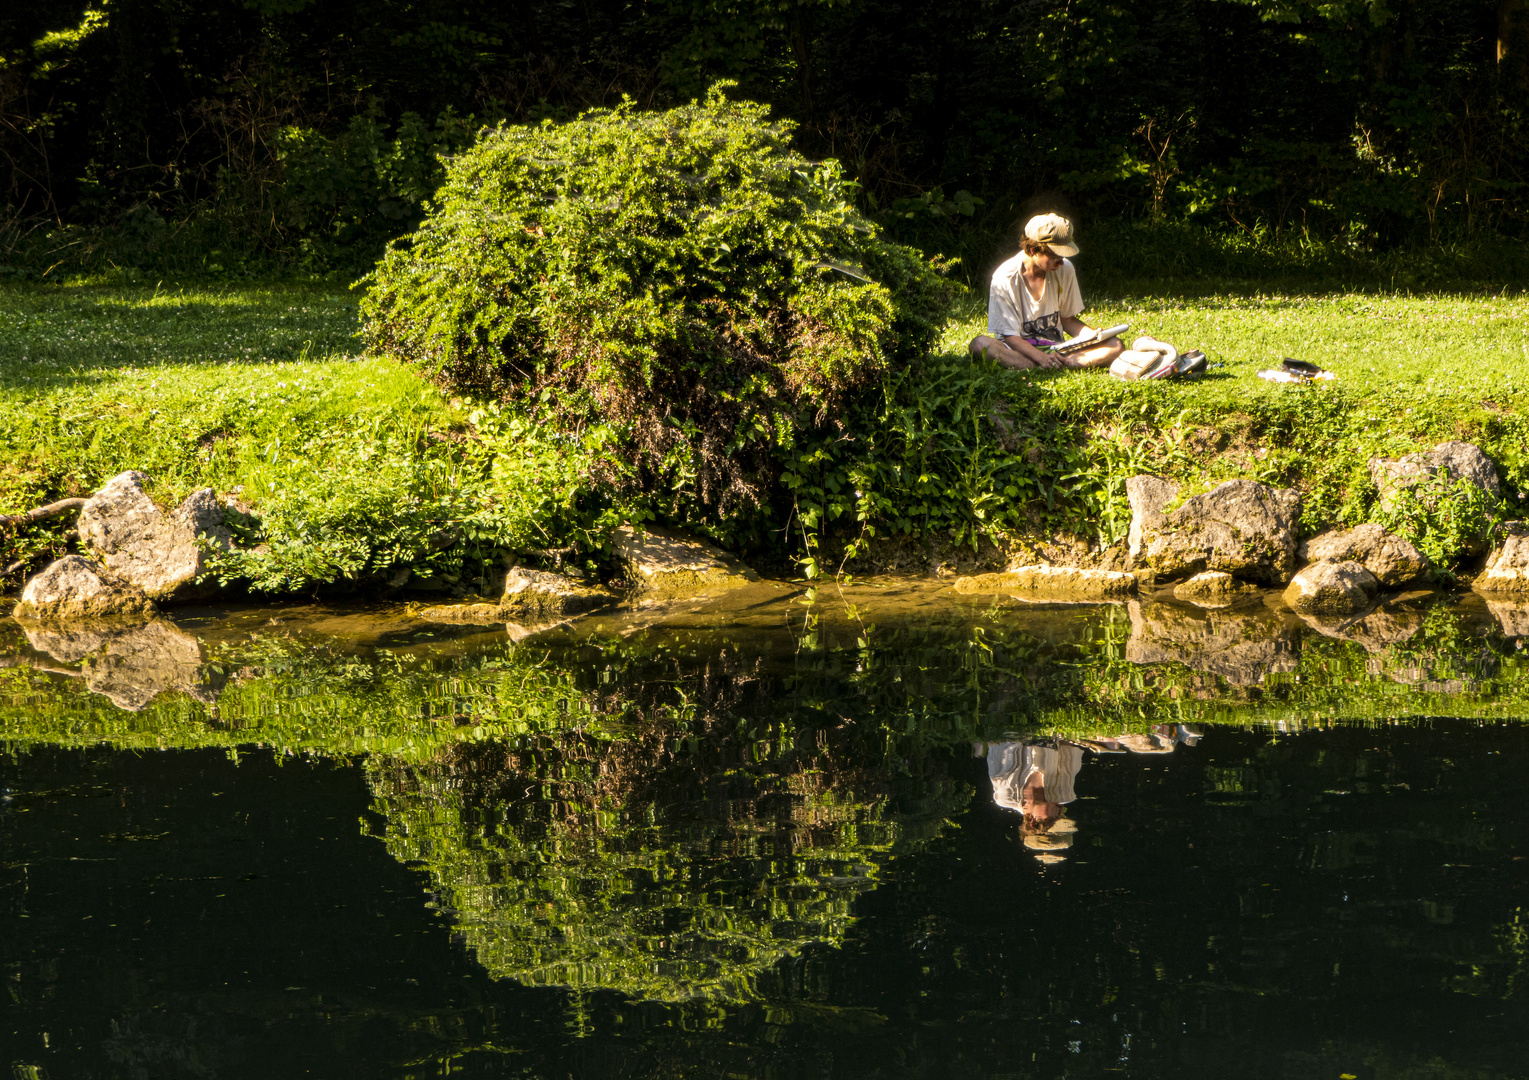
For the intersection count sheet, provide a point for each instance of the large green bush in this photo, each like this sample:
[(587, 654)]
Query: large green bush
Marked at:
[(683, 278)]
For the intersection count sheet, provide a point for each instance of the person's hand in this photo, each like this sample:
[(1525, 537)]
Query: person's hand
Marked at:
[(1052, 360)]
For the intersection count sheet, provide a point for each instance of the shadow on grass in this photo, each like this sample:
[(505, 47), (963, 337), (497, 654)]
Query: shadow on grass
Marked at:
[(53, 336)]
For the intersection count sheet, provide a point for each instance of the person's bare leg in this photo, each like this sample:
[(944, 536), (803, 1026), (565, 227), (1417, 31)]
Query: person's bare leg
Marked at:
[(999, 350), (1100, 355), (1036, 357)]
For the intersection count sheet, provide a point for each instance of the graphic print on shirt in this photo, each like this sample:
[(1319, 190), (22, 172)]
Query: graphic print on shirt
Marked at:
[(1043, 326)]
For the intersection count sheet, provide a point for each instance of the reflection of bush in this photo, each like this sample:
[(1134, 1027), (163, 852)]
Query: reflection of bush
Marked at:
[(649, 866)]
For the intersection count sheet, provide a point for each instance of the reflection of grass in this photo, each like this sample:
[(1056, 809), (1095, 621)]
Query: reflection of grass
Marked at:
[(926, 687), (295, 699), (1443, 670)]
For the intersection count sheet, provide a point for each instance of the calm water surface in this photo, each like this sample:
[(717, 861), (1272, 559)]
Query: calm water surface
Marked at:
[(913, 838)]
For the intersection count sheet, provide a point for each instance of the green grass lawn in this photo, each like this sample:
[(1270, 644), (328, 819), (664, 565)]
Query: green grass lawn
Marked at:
[(254, 390), (1411, 371), (1469, 349), (194, 386), (260, 390)]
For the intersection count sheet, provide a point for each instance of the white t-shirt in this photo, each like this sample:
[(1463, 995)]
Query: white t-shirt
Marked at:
[(1012, 311)]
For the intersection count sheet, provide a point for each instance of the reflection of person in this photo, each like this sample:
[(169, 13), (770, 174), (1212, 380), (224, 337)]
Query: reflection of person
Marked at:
[(1034, 298), (1036, 780)]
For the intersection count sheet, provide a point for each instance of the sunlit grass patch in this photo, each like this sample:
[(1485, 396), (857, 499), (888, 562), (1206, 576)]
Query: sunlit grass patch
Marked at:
[(260, 392), (1465, 347)]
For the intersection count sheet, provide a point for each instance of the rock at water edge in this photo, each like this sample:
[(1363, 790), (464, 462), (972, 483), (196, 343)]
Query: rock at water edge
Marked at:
[(667, 566), (479, 614), (1392, 559), (1507, 569), (1212, 588), (136, 541), (1242, 528), (1332, 588), (539, 596), (1064, 582), (1462, 460), (1147, 495), (75, 588)]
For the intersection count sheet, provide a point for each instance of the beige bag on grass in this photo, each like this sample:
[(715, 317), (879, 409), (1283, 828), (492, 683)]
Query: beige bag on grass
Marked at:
[(1143, 356)]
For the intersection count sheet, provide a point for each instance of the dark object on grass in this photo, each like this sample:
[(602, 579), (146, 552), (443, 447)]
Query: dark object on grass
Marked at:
[(1192, 363), (1303, 368)]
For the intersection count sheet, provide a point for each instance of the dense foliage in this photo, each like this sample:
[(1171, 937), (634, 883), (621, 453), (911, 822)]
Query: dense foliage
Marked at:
[(682, 279), (210, 133)]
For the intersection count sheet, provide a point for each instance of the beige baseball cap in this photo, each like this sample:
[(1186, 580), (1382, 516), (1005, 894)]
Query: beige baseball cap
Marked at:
[(1054, 231)]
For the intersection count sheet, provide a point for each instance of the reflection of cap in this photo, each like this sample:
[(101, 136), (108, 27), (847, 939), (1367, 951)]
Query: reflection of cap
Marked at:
[(1054, 231), (1057, 836), (1046, 841)]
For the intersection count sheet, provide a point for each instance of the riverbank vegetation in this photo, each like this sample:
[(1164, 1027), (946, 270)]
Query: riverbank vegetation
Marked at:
[(353, 466)]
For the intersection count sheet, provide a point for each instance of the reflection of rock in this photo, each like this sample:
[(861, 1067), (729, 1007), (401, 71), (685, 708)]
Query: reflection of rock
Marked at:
[(1212, 588), (1332, 588), (133, 539), (1511, 615), (1242, 528), (131, 665), (1507, 569), (1393, 560), (1061, 581), (463, 614), (1462, 460), (534, 595), (1376, 631), (671, 566), (1238, 644), (76, 588)]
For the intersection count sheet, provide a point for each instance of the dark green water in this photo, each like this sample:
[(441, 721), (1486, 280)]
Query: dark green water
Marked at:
[(766, 844)]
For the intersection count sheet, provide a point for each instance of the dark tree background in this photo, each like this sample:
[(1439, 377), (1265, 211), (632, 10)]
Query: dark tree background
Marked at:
[(308, 131)]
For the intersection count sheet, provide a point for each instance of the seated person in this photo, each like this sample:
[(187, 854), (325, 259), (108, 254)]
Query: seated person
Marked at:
[(1034, 297)]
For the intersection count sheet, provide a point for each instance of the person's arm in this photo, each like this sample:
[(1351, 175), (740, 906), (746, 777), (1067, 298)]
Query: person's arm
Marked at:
[(1075, 326), (1099, 355)]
